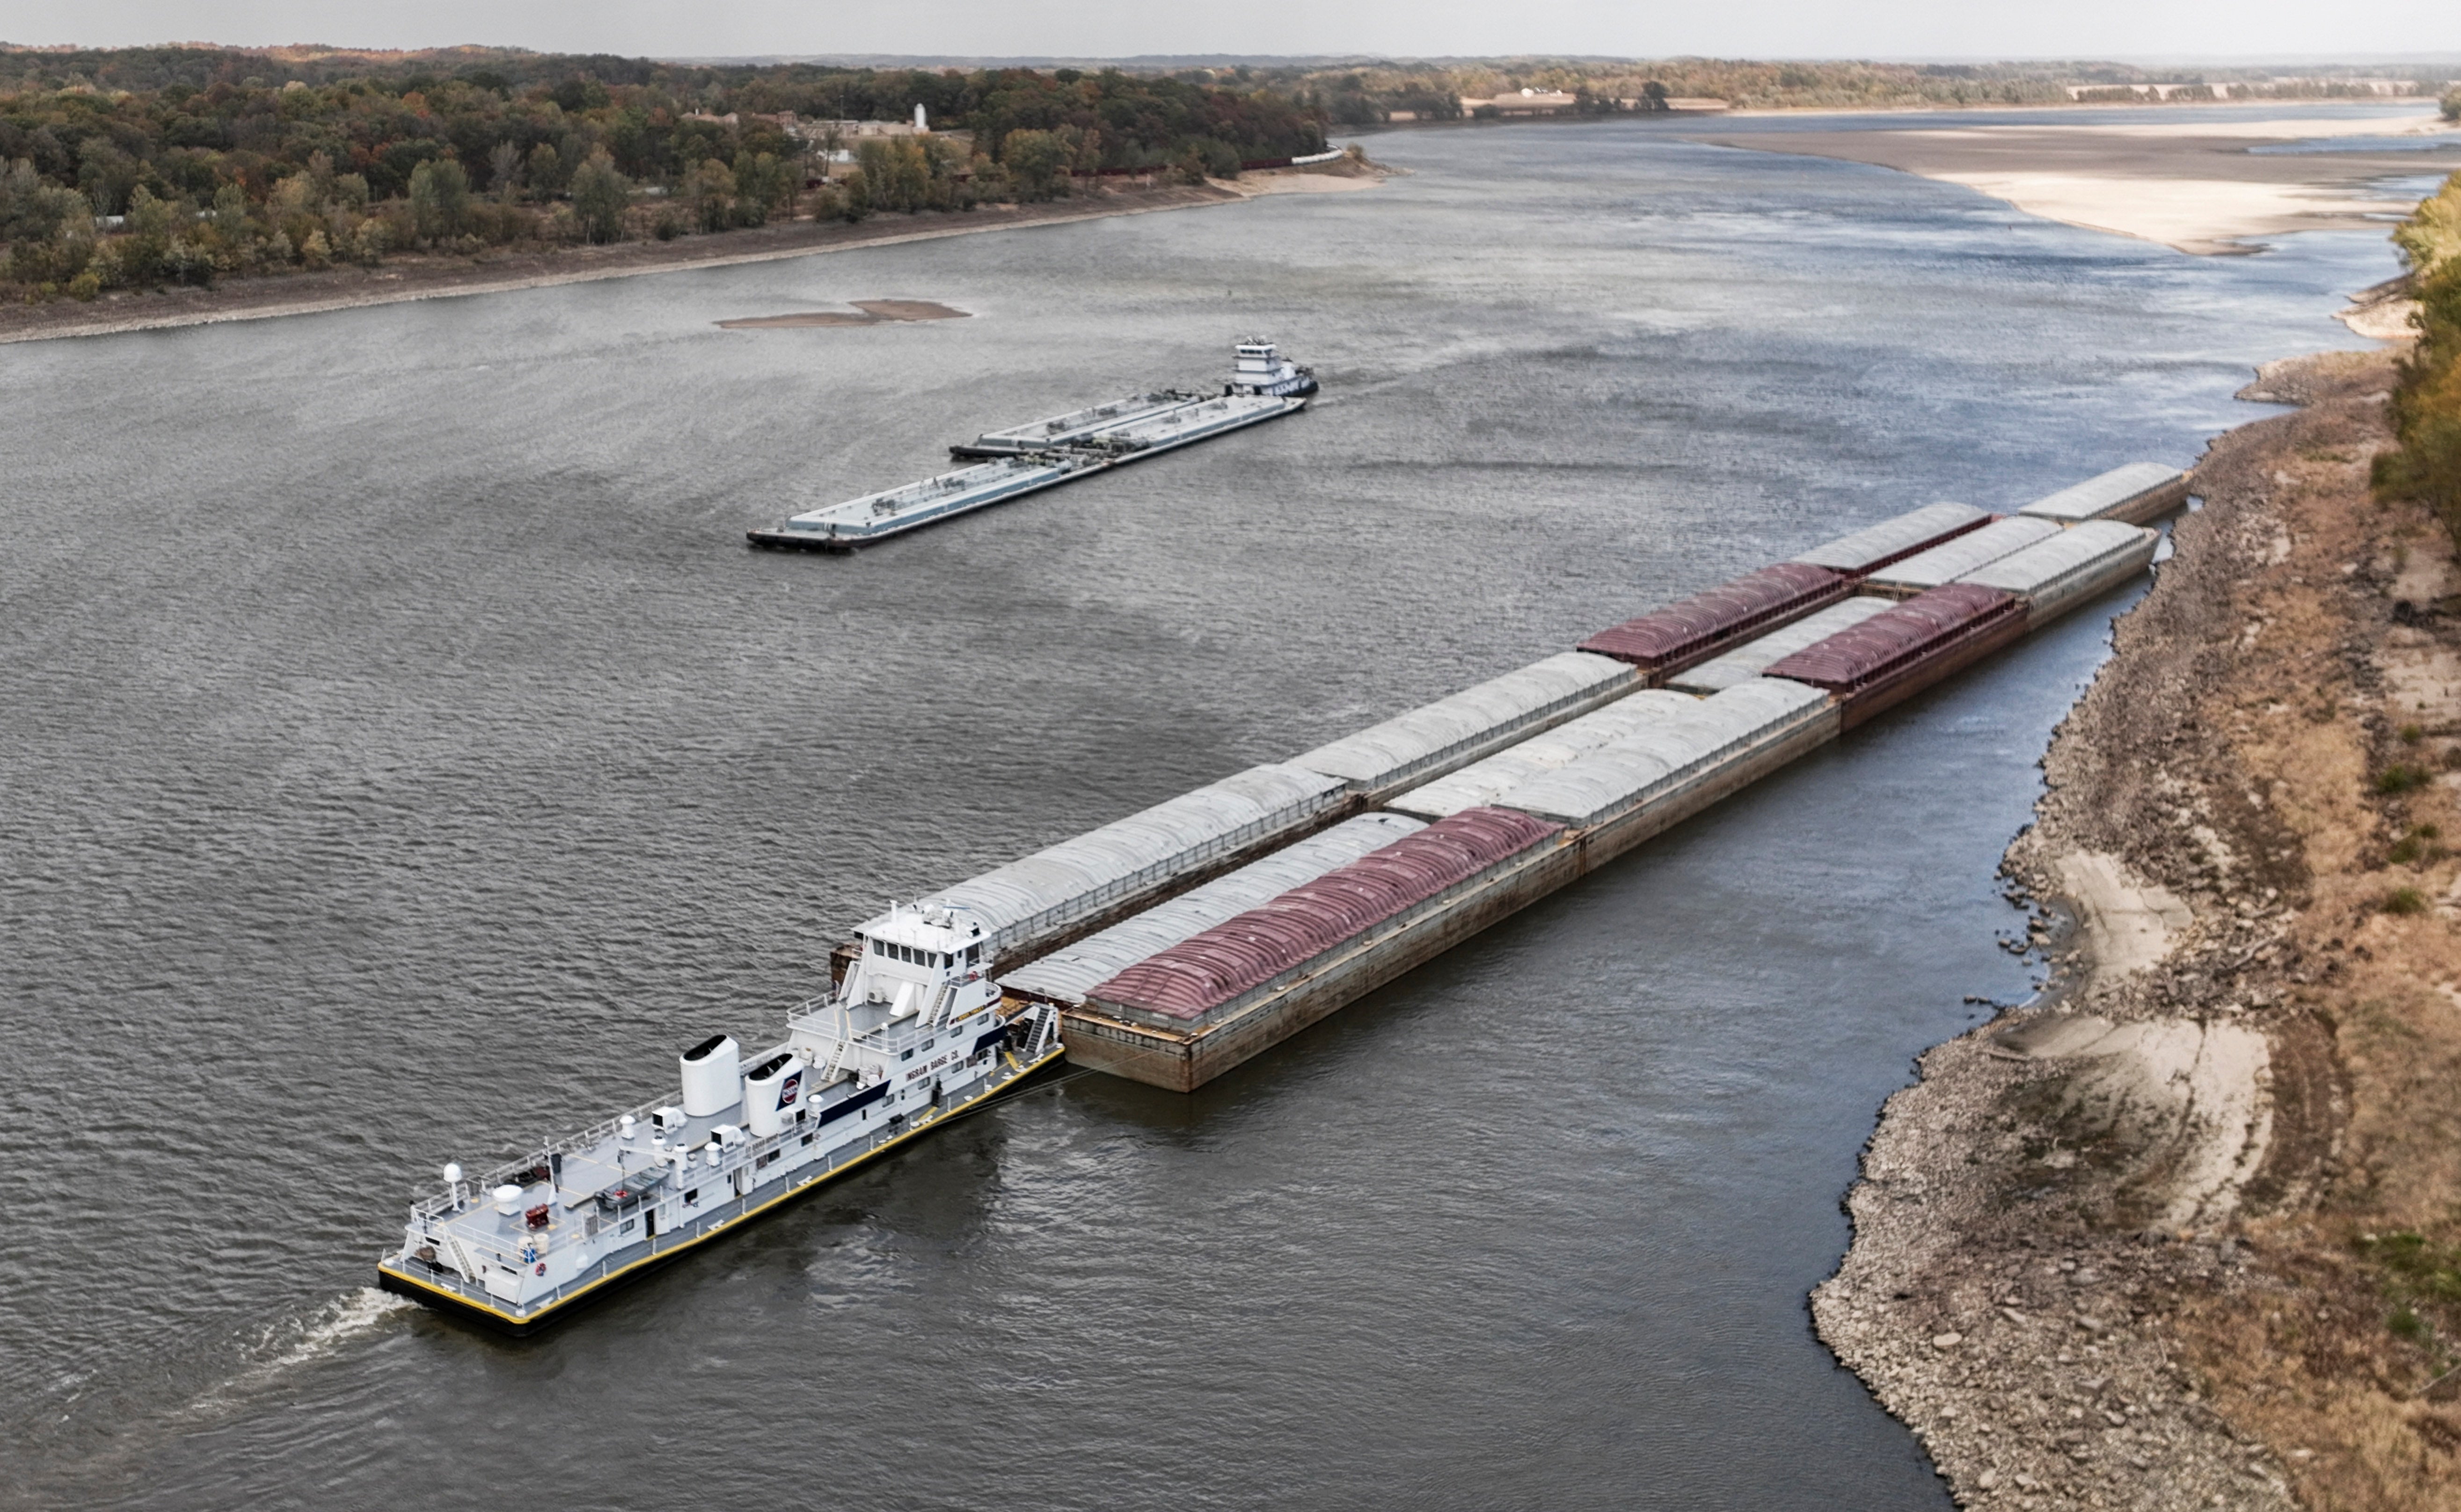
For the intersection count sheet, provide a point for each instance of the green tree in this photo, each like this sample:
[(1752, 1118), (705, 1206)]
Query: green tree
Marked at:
[(1034, 161), (230, 213), (1084, 147), (600, 197), (107, 175), (854, 195), (708, 195), (440, 199), (32, 210), (1221, 158), (149, 237), (148, 215), (504, 171), (545, 171), (872, 158), (2427, 404), (763, 189), (183, 262)]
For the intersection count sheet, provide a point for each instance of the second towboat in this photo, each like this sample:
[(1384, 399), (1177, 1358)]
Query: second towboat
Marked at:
[(1044, 453)]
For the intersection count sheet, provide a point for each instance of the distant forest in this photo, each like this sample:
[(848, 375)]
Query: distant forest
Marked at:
[(175, 165)]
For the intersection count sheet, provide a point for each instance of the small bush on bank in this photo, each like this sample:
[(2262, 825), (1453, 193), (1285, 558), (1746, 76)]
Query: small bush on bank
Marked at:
[(2399, 777)]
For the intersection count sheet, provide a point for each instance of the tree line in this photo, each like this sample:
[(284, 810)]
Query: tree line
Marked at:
[(2427, 403), (1367, 94), (140, 166)]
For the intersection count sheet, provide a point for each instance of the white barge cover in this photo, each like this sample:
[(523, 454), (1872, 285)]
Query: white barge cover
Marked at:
[(1752, 658), (1952, 560), (1898, 536), (1451, 732), (1028, 902), (1068, 973), (1668, 756), (1485, 780), (2083, 558), (2110, 494)]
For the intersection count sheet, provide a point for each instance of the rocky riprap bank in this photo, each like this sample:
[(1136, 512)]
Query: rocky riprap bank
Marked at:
[(2127, 1246)]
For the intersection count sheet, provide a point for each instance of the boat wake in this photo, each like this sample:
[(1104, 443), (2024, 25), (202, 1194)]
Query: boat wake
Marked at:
[(339, 1322)]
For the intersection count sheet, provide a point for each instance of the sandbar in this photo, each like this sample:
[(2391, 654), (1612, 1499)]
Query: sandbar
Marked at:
[(2191, 183), (866, 313)]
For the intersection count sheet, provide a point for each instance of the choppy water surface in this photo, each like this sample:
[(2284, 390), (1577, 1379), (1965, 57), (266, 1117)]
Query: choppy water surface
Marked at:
[(401, 757)]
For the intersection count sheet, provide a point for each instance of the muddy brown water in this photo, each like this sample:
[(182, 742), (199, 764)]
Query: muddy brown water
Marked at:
[(404, 758)]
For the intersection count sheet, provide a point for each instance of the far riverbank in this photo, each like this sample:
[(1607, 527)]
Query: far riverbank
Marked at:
[(409, 277)]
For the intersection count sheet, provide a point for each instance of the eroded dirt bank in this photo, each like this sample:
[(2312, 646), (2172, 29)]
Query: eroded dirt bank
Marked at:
[(2180, 1235)]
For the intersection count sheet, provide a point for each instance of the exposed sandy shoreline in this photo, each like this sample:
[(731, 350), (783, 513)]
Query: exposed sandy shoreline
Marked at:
[(2189, 183), (419, 278)]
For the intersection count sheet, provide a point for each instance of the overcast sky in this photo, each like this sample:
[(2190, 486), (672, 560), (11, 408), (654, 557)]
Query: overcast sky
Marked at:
[(1931, 28)]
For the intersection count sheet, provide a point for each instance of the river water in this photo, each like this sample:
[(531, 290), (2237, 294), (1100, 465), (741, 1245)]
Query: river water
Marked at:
[(402, 757)]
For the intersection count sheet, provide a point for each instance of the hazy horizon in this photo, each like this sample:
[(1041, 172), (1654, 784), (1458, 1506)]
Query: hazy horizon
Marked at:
[(2176, 34)]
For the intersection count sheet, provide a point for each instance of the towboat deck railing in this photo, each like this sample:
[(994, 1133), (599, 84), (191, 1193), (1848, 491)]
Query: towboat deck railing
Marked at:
[(741, 1206), (517, 1170)]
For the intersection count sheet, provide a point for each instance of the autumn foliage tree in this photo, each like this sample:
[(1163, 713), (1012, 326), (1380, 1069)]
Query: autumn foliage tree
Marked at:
[(146, 165)]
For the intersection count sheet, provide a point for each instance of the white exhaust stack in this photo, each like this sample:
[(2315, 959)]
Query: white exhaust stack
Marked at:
[(713, 1076), (771, 1094)]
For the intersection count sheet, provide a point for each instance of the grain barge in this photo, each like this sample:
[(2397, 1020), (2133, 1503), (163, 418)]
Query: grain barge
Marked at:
[(1952, 560), (2131, 495), (1044, 453), (1725, 688)]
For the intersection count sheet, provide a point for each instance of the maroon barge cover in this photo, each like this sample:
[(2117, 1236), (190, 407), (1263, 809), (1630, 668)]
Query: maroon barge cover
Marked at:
[(1896, 639), (1207, 971), (1670, 639)]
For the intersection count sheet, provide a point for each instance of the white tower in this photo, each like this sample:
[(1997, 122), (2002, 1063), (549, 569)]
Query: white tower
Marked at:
[(919, 124)]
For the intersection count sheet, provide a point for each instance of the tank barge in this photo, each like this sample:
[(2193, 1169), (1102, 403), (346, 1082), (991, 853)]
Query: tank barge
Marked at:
[(1029, 458)]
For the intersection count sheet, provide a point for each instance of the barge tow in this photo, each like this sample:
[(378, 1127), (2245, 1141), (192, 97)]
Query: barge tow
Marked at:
[(1044, 453), (1183, 940)]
